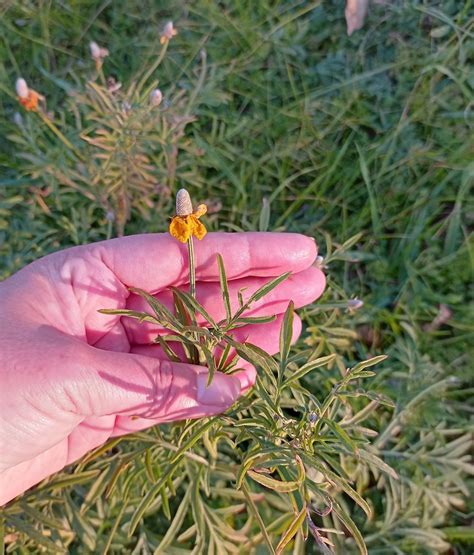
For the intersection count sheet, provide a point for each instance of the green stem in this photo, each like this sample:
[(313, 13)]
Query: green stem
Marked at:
[(153, 67), (58, 133), (192, 268)]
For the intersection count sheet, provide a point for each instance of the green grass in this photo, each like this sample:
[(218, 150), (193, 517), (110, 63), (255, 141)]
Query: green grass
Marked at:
[(370, 134)]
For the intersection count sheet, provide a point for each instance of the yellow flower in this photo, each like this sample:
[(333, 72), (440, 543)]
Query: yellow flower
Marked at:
[(186, 222), (27, 97)]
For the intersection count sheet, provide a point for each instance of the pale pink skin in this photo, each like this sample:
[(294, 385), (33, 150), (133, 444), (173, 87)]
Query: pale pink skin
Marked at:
[(71, 377)]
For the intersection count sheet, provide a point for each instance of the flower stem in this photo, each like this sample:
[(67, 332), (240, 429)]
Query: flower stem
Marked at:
[(192, 268), (58, 133), (153, 66)]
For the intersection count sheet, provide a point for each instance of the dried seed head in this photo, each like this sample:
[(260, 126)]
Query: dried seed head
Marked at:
[(184, 206), (156, 97), (22, 88)]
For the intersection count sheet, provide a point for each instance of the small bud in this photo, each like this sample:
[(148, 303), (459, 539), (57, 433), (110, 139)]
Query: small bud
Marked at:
[(113, 85), (184, 206), (27, 97), (354, 304), (312, 417), (156, 97), (22, 88), (319, 262), (168, 32), (97, 52), (17, 119), (356, 12)]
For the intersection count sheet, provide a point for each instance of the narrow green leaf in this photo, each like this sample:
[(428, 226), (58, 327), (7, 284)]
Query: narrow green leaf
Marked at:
[(175, 525), (140, 316), (146, 502), (350, 525), (194, 306), (224, 288), (211, 364), (186, 316), (256, 319), (222, 365), (308, 367), (253, 510), (166, 348), (292, 530), (240, 296), (265, 289), (166, 318), (264, 218), (194, 438), (250, 461), (71, 480), (341, 434), (372, 459), (311, 460), (256, 356), (42, 518), (271, 483), (165, 504), (366, 363), (149, 466), (101, 450), (113, 530), (286, 334), (41, 539)]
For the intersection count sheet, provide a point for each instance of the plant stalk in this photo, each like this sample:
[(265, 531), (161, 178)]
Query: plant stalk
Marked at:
[(192, 268)]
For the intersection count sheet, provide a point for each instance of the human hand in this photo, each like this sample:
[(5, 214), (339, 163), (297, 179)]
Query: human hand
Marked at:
[(71, 377)]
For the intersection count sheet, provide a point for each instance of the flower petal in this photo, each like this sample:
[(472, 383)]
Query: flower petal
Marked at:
[(198, 228), (30, 103), (200, 210), (181, 228)]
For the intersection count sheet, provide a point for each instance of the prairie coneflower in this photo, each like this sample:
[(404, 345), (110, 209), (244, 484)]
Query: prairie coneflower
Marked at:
[(168, 33), (27, 97), (186, 222), (184, 226)]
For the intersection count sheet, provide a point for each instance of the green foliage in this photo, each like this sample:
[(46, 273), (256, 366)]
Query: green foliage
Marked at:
[(294, 127)]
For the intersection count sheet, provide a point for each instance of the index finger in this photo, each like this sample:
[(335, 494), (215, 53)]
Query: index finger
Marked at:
[(156, 261)]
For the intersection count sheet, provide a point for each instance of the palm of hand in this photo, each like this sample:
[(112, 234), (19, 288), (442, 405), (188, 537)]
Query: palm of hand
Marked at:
[(72, 377)]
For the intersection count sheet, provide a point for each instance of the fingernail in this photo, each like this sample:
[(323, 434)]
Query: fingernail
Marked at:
[(222, 391)]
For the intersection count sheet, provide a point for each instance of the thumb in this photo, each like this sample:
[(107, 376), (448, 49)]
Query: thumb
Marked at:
[(137, 385)]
